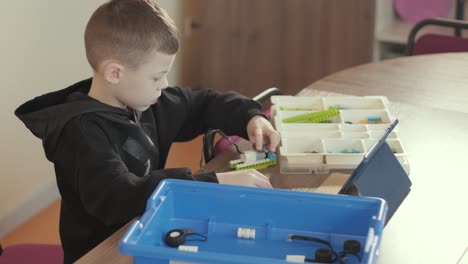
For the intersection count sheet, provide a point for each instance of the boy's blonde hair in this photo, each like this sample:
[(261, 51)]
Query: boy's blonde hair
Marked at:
[(128, 30)]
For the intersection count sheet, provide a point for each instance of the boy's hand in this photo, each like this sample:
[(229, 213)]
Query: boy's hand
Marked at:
[(251, 178), (258, 128)]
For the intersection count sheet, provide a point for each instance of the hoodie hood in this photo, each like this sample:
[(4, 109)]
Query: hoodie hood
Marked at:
[(47, 115)]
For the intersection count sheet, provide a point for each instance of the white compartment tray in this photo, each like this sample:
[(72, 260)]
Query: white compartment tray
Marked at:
[(342, 142)]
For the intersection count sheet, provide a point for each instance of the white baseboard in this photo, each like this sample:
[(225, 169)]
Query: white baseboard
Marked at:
[(24, 211)]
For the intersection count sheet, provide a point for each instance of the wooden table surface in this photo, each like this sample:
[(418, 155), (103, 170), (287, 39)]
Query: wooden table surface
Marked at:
[(436, 81), (429, 95)]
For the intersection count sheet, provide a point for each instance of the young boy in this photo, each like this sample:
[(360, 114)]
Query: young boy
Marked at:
[(109, 136)]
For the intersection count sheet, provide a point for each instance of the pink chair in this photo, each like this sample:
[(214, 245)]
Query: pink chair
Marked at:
[(414, 11), (32, 253), (433, 43)]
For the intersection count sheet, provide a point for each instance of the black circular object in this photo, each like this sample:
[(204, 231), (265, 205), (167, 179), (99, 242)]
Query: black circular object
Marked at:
[(323, 255), (175, 237), (352, 246)]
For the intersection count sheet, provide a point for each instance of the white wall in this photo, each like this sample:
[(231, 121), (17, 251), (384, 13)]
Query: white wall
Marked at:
[(41, 50)]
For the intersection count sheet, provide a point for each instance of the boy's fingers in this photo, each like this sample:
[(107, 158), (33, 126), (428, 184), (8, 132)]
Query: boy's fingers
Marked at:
[(263, 184), (274, 141), (259, 175), (265, 181), (258, 139)]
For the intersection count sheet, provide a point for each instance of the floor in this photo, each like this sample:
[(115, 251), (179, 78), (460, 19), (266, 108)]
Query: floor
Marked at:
[(43, 228)]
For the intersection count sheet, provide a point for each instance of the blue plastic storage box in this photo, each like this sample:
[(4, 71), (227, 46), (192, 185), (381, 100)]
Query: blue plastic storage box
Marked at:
[(217, 211)]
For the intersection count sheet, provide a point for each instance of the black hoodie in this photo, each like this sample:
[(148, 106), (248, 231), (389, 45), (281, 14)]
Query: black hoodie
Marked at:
[(109, 160)]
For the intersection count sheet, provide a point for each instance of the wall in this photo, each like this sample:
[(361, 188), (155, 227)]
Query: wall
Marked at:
[(41, 50)]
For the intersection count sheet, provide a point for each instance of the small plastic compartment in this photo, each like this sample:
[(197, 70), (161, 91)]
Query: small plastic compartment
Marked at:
[(285, 115), (377, 133), (353, 128), (394, 144), (343, 146), (311, 134), (364, 116), (354, 135), (217, 211), (354, 102), (374, 127), (306, 128), (343, 151), (300, 150), (354, 131), (293, 103)]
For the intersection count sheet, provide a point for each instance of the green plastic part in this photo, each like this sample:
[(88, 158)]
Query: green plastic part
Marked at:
[(255, 166), (315, 117)]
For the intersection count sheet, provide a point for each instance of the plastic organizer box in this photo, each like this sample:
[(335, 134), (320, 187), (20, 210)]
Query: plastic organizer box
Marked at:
[(218, 211), (323, 133)]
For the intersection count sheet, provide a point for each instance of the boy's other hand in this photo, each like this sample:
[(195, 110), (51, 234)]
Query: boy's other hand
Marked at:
[(251, 178), (258, 129)]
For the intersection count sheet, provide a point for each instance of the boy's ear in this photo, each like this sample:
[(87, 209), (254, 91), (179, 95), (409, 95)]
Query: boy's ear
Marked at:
[(112, 71)]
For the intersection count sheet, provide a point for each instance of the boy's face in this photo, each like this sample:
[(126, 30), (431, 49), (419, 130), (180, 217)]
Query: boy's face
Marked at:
[(140, 88)]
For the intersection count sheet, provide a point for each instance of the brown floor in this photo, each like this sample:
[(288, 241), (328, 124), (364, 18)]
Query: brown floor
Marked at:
[(43, 228)]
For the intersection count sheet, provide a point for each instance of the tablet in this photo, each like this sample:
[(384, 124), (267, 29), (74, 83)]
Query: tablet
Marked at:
[(380, 174)]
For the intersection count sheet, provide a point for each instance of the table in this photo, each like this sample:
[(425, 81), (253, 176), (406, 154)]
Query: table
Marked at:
[(436, 81), (429, 95)]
